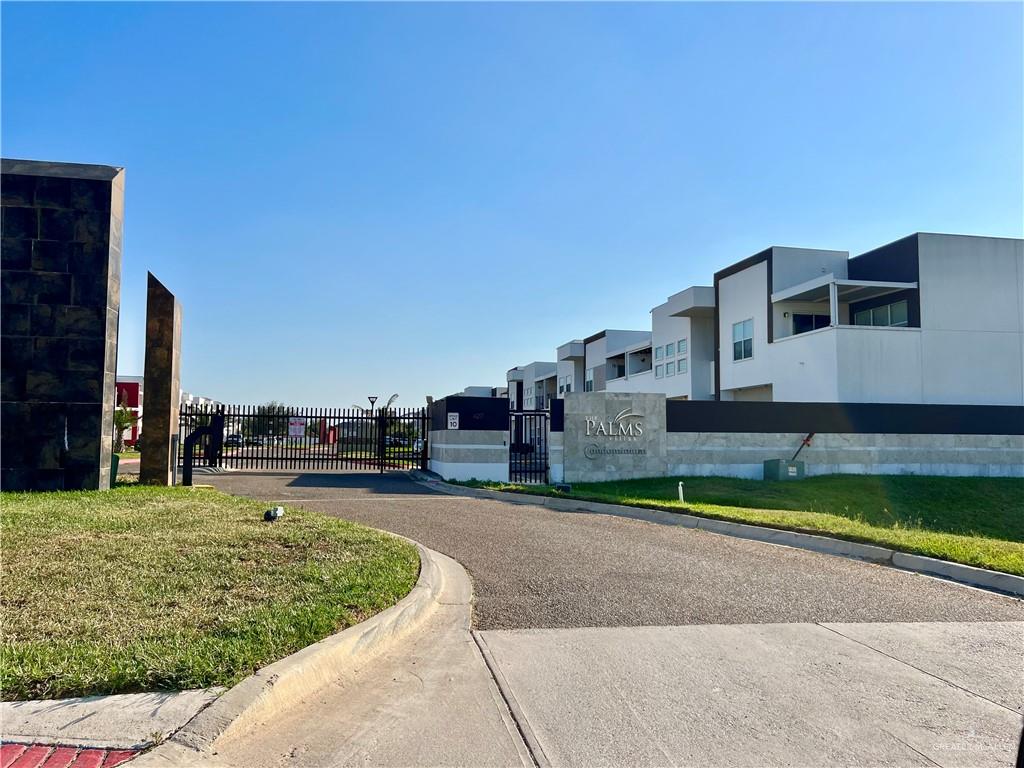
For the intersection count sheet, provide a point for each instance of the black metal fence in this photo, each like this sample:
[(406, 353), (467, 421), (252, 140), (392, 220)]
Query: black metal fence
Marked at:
[(284, 437), (528, 447)]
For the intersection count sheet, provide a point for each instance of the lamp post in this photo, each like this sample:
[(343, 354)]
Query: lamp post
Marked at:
[(372, 399)]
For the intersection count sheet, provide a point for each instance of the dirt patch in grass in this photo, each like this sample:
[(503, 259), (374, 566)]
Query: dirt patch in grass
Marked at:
[(143, 588)]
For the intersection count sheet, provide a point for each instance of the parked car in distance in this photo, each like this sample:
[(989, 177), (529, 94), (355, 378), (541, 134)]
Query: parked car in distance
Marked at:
[(253, 440), (233, 441)]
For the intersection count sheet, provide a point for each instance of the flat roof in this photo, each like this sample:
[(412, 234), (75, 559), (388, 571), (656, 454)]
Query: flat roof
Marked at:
[(60, 170), (695, 301)]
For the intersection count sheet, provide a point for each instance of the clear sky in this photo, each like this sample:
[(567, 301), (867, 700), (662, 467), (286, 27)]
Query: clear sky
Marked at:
[(369, 199)]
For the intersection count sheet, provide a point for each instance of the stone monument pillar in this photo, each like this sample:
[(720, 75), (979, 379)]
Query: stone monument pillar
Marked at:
[(60, 272), (162, 384)]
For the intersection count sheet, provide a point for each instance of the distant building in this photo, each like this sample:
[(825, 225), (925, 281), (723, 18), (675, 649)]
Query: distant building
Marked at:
[(187, 398), (128, 393), (929, 318)]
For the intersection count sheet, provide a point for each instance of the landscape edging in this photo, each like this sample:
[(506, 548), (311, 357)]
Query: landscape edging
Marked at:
[(965, 574), (285, 682)]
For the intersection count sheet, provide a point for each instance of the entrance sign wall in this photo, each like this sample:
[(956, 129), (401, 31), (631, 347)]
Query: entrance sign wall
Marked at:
[(613, 436)]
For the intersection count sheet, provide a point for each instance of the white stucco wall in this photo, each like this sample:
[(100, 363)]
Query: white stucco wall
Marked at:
[(972, 319), (595, 358), (792, 266), (804, 367), (879, 365), (740, 297), (666, 329)]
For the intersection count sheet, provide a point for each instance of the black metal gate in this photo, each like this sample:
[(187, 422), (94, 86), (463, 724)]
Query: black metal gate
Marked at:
[(283, 437), (528, 447)]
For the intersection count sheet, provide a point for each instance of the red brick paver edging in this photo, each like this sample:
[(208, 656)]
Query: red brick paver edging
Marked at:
[(49, 756)]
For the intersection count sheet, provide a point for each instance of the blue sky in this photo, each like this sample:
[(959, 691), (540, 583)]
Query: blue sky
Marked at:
[(368, 199)]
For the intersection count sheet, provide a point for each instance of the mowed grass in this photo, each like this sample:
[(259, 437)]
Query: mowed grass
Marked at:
[(142, 588), (978, 521)]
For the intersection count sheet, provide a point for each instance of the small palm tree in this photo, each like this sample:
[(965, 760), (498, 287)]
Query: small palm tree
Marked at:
[(123, 420)]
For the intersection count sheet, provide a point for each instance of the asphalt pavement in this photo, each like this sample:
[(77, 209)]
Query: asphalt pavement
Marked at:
[(606, 641), (534, 567)]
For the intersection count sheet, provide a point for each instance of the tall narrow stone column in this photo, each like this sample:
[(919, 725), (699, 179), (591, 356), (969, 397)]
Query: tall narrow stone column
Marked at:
[(60, 293), (162, 384)]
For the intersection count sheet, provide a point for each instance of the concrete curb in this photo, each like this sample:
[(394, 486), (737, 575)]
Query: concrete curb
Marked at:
[(964, 574), (293, 678)]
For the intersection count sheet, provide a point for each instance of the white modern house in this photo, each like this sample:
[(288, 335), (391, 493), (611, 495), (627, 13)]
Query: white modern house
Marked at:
[(532, 386), (673, 358), (606, 355), (682, 334), (603, 361), (929, 318)]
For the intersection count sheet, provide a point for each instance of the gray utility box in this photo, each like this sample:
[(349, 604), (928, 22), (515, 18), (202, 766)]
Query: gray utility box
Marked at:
[(780, 469)]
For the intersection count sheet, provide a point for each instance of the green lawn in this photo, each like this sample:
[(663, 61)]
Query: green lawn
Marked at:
[(128, 453), (974, 520), (143, 588)]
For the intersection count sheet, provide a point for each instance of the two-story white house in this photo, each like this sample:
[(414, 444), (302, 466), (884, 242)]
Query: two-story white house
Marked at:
[(606, 355), (674, 357), (682, 336), (929, 318), (532, 386)]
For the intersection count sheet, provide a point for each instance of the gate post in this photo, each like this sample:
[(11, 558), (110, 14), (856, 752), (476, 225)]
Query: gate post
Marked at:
[(425, 432)]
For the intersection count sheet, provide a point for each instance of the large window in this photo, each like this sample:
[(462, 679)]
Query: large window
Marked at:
[(681, 345), (658, 352), (743, 340), (588, 382), (894, 314), (670, 350), (659, 371), (670, 369), (803, 323), (682, 365)]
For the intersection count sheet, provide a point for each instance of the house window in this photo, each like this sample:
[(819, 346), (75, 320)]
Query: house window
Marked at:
[(670, 349), (682, 365), (892, 315), (743, 340), (803, 323), (568, 386), (658, 351), (670, 369), (588, 383), (681, 345), (659, 371)]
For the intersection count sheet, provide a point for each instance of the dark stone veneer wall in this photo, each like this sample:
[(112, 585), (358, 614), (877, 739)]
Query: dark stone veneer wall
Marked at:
[(60, 271)]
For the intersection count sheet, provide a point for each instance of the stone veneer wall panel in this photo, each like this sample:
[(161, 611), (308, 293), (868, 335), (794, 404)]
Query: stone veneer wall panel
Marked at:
[(162, 395), (657, 453), (467, 454), (60, 272)]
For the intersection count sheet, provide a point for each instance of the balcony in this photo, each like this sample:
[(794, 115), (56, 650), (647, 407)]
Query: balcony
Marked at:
[(572, 350)]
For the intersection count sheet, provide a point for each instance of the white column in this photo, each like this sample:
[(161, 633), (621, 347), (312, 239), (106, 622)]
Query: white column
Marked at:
[(833, 303)]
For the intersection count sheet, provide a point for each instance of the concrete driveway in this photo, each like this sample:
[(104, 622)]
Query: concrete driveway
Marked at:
[(608, 641)]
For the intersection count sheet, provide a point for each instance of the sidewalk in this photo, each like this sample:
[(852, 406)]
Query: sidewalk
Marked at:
[(898, 693), (429, 700), (130, 721)]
